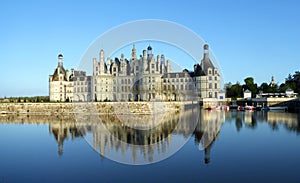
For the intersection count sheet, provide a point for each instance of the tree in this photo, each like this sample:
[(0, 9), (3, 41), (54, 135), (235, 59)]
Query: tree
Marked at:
[(234, 91), (264, 87)]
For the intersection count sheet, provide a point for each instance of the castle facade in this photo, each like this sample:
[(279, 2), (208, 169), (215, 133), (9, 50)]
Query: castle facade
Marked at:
[(147, 78)]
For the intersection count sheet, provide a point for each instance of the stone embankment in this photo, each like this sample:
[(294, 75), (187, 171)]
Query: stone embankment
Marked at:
[(93, 107)]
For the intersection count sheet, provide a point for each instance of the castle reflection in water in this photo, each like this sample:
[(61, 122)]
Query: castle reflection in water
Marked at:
[(115, 133)]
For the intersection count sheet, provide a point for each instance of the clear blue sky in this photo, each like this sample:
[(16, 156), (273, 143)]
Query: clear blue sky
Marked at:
[(249, 38)]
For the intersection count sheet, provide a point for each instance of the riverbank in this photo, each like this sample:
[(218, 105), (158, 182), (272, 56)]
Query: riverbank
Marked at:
[(92, 107)]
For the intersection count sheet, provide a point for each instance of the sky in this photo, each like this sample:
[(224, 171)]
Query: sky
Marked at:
[(250, 38)]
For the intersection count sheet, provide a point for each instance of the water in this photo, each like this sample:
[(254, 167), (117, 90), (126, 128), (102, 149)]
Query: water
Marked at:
[(217, 147)]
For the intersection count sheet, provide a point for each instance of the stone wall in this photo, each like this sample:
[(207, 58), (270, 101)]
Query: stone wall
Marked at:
[(94, 107)]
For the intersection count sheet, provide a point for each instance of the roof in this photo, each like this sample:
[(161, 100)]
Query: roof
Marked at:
[(205, 64), (61, 71), (247, 91)]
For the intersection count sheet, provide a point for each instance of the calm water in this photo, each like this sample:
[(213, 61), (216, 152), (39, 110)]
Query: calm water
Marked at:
[(217, 146)]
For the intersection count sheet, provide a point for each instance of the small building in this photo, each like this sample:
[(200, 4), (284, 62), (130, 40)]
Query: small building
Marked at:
[(247, 94)]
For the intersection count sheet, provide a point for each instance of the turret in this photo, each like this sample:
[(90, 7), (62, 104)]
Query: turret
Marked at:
[(133, 52), (101, 63), (60, 60), (149, 51), (206, 51), (95, 66), (162, 64), (122, 57), (158, 63), (60, 63), (168, 66), (272, 81), (144, 60)]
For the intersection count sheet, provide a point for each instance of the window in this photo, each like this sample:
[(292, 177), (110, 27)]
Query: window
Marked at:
[(210, 78), (152, 66), (137, 68), (216, 78), (209, 71), (114, 69), (216, 72), (210, 86), (216, 85)]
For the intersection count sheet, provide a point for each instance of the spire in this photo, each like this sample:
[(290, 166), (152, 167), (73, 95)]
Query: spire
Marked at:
[(133, 52), (206, 51), (60, 60), (101, 62), (149, 50), (272, 81), (101, 55)]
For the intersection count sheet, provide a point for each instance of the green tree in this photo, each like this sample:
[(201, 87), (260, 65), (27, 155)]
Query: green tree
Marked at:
[(264, 87), (234, 91)]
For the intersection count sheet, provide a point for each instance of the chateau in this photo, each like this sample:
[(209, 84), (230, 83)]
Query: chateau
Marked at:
[(147, 78)]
